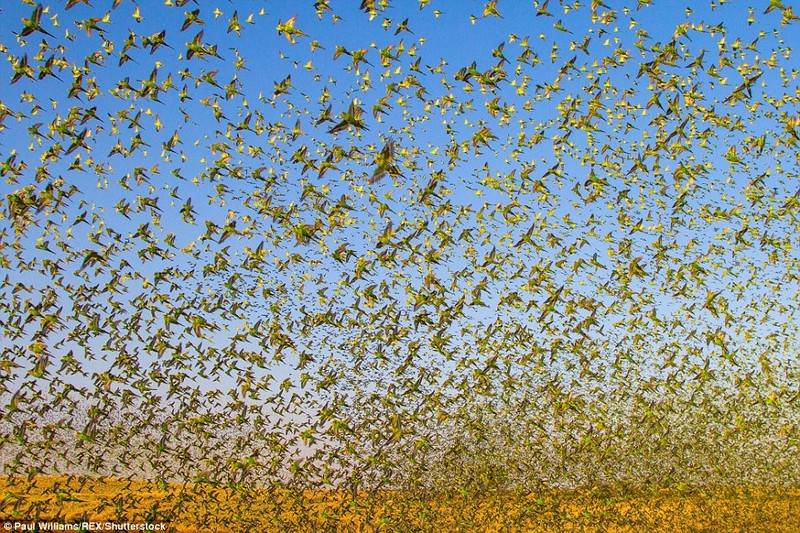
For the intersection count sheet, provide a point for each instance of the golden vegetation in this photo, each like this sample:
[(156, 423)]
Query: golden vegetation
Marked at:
[(202, 508)]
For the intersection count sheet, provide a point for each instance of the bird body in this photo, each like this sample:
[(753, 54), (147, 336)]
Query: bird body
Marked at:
[(385, 163), (351, 118)]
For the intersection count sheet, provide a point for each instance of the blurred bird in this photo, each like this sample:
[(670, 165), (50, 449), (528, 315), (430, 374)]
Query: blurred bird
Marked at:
[(385, 163)]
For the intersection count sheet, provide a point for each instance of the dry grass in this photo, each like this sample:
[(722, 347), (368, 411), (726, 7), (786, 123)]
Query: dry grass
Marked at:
[(202, 508)]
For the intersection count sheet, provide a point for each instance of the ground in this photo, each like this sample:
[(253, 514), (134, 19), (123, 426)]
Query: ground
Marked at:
[(191, 508)]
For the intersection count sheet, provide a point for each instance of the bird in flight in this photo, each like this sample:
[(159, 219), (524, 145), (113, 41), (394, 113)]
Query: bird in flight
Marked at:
[(385, 163), (351, 118)]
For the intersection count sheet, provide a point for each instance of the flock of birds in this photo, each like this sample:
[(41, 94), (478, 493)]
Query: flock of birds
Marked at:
[(344, 250)]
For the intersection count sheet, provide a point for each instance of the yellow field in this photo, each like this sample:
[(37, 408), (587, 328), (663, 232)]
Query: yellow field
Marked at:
[(202, 508)]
